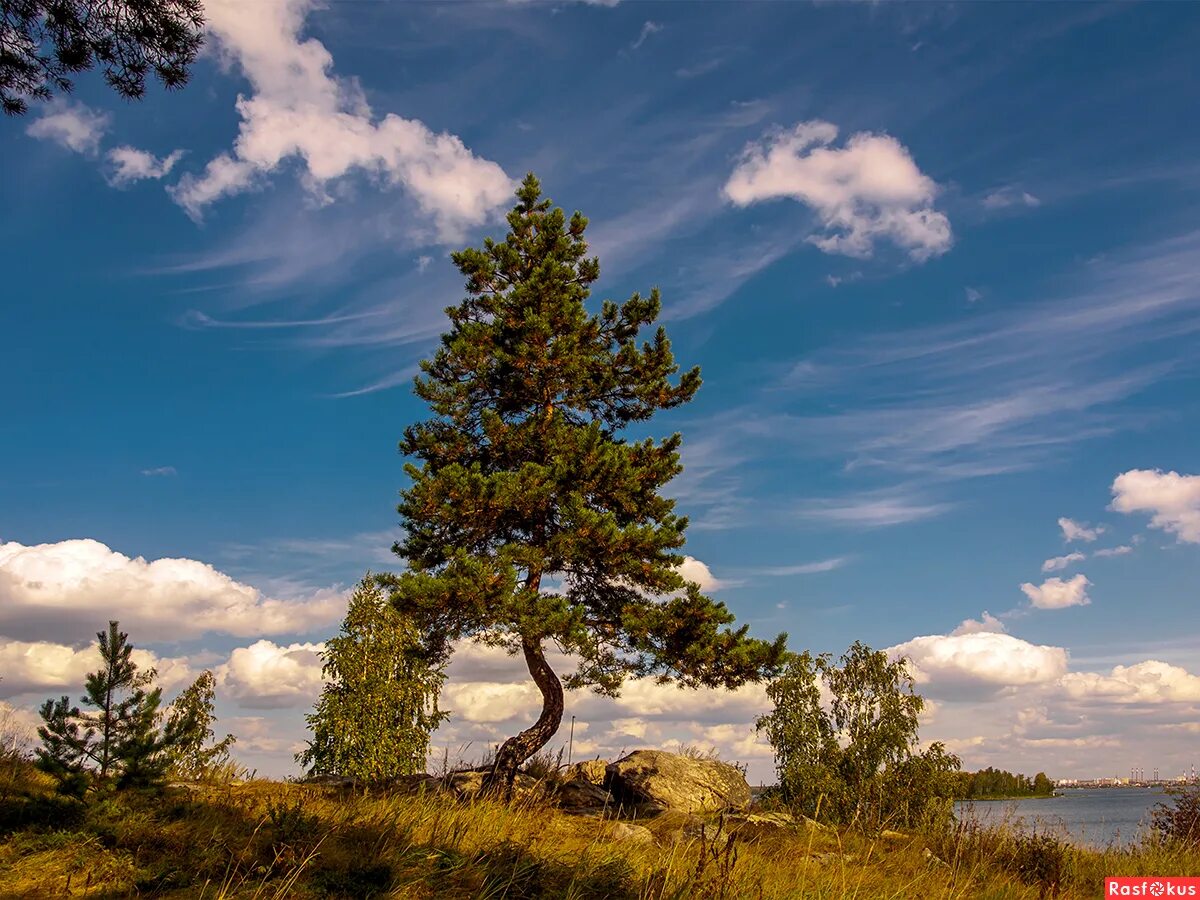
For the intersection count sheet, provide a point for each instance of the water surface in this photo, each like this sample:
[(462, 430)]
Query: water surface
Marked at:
[(1094, 817)]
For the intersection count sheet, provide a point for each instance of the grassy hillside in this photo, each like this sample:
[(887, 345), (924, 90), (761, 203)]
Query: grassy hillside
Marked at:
[(267, 839)]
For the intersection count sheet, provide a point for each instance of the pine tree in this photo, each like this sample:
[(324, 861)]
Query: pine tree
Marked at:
[(44, 42), (189, 722), (524, 476), (379, 705), (63, 752), (119, 743)]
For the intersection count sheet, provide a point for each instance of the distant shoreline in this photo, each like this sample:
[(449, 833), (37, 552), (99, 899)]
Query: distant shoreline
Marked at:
[(1000, 799)]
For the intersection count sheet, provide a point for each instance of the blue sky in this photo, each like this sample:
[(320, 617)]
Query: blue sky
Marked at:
[(937, 264)]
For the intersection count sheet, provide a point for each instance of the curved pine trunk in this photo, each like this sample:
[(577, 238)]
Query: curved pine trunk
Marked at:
[(514, 751)]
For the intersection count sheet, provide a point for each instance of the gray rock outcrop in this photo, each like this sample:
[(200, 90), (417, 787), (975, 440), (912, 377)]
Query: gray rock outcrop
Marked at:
[(675, 782)]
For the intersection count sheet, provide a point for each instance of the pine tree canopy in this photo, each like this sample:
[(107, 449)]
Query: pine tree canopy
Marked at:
[(529, 517)]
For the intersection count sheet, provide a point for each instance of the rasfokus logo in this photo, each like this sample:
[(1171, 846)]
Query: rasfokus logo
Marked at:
[(1142, 886)]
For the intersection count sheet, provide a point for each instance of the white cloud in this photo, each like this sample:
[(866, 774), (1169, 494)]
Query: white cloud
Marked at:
[(1151, 681), (868, 190), (835, 280), (70, 589), (159, 471), (1114, 551), (973, 295), (131, 165), (812, 568), (34, 666), (1078, 531), (694, 570), (72, 125), (18, 728), (258, 734), (1056, 563), (872, 509), (1054, 593), (298, 108), (979, 662), (485, 701), (423, 263), (266, 675), (1004, 197), (490, 696), (987, 623), (1172, 499), (648, 29)]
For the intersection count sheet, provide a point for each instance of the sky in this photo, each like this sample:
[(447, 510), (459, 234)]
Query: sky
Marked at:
[(938, 264)]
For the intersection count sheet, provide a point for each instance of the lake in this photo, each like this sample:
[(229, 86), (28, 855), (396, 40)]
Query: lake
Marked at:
[(1090, 816)]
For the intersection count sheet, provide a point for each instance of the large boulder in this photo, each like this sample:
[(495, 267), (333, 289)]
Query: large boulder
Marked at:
[(677, 782), (592, 770), (468, 785), (580, 795)]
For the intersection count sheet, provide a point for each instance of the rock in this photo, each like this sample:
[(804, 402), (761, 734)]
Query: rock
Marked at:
[(580, 794), (677, 782), (635, 834), (335, 781), (467, 785), (889, 835), (592, 770)]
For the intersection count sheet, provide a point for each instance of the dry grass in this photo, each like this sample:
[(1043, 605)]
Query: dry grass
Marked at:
[(266, 840)]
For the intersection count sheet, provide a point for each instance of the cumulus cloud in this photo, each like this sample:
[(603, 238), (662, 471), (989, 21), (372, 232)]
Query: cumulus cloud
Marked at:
[(71, 125), (490, 696), (979, 662), (130, 165), (1173, 500), (1056, 563), (18, 728), (1151, 681), (266, 675), (298, 109), (69, 589), (34, 666), (868, 190), (1114, 551), (987, 623), (1078, 531), (1054, 593), (694, 570)]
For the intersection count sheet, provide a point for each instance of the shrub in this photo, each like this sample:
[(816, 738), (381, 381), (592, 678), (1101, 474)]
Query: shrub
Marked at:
[(1179, 821)]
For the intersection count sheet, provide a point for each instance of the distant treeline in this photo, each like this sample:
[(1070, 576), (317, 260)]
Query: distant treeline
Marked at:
[(990, 783)]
